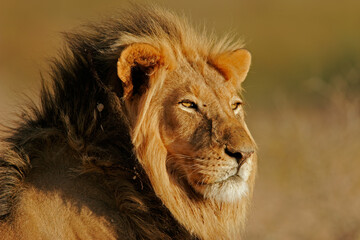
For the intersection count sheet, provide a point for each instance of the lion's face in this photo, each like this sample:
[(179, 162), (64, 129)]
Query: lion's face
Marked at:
[(202, 126), (199, 116)]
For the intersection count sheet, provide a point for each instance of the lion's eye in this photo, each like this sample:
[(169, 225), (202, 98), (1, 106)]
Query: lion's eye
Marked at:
[(235, 105), (188, 104)]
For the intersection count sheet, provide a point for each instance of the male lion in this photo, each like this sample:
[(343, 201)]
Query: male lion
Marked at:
[(140, 136)]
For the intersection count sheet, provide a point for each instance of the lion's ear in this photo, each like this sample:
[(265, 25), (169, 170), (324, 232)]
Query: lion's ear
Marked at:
[(135, 66), (233, 65)]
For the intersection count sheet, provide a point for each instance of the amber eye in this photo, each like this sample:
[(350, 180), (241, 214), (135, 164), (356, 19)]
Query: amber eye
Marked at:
[(188, 104), (235, 105)]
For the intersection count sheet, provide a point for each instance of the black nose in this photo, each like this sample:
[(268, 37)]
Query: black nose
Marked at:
[(240, 156)]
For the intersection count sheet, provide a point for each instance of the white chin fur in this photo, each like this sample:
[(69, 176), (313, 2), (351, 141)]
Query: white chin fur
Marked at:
[(227, 191), (232, 189)]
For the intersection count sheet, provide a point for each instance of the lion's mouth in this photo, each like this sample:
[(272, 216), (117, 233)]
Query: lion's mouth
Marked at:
[(229, 186), (237, 174), (233, 177), (230, 189)]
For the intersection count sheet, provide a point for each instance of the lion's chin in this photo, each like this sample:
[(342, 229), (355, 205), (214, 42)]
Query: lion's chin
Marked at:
[(229, 190)]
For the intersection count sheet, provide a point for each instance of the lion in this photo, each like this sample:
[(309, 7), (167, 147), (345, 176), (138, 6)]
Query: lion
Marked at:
[(141, 135)]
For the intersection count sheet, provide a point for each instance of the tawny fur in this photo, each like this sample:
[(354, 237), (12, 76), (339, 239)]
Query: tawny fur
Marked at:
[(111, 152)]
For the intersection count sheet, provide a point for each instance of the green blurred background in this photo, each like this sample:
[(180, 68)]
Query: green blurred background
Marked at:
[(302, 97)]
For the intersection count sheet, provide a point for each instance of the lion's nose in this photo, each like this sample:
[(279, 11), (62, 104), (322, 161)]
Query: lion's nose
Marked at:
[(240, 156)]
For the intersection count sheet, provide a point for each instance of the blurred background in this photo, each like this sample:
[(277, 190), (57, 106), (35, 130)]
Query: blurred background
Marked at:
[(302, 97)]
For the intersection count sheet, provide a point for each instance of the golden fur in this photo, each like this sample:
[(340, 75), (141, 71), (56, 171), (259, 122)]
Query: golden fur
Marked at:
[(174, 104)]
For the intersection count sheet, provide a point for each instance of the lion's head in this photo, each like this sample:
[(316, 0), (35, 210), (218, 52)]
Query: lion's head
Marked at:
[(202, 127), (181, 94)]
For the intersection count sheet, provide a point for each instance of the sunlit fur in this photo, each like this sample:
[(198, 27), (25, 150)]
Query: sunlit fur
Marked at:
[(94, 163)]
